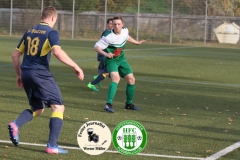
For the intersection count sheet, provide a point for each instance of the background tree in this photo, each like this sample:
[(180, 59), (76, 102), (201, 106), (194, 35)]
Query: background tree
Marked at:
[(119, 5), (224, 8), (189, 7)]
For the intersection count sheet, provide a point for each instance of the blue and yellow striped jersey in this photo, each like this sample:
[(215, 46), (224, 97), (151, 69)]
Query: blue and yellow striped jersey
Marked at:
[(36, 44)]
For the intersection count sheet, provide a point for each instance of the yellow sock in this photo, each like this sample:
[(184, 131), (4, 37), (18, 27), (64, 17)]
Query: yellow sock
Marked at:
[(104, 75), (57, 115), (35, 114)]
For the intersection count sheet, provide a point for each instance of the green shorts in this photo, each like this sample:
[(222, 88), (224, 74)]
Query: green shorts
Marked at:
[(122, 67)]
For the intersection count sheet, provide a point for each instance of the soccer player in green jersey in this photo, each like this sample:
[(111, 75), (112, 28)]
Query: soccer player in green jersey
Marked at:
[(112, 45)]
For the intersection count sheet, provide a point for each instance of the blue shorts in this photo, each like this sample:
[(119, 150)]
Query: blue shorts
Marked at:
[(101, 67), (40, 88)]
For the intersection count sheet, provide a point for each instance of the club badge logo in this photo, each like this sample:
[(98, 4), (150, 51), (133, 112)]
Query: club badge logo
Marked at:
[(94, 137), (129, 137)]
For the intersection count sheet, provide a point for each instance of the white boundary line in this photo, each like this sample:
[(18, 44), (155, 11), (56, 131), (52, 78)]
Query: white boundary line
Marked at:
[(224, 151), (109, 151)]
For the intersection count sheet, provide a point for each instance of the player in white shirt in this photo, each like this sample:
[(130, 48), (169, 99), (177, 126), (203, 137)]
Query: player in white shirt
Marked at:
[(112, 45)]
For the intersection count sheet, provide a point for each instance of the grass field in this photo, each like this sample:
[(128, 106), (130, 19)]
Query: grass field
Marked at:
[(189, 98)]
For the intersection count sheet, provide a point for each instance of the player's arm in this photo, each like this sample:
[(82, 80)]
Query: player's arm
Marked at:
[(130, 39), (16, 63), (99, 50), (102, 44), (64, 58)]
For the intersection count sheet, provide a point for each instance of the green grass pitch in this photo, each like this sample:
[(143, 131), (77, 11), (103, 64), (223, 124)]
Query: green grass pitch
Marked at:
[(189, 98)]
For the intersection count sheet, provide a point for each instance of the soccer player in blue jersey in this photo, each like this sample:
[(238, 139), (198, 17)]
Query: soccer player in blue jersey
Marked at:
[(102, 70), (35, 78), (111, 46)]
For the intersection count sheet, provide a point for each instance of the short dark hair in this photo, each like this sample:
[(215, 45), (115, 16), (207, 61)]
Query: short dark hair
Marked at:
[(117, 17), (48, 12), (109, 19)]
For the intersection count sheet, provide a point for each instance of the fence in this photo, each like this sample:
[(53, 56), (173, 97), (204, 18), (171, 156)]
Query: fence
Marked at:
[(169, 21)]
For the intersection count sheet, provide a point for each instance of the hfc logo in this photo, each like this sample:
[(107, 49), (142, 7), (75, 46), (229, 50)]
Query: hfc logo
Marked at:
[(129, 137)]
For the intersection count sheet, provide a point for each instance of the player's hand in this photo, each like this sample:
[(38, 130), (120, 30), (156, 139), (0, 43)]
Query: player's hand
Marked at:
[(19, 82), (140, 42), (110, 55), (79, 73)]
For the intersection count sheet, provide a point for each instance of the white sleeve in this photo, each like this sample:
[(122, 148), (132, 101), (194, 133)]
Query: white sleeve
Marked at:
[(102, 43), (127, 37), (127, 33)]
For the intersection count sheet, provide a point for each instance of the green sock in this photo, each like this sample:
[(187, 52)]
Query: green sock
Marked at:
[(130, 90), (112, 89)]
